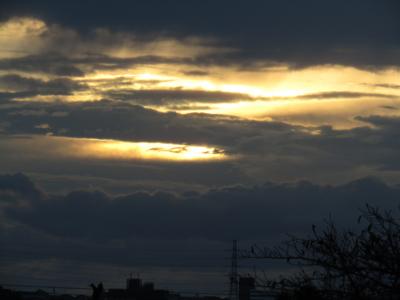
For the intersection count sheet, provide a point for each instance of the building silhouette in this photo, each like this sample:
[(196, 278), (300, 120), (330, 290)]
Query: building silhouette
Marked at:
[(136, 290), (246, 285)]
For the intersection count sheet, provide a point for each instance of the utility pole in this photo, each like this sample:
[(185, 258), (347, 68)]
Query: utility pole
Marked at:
[(233, 276)]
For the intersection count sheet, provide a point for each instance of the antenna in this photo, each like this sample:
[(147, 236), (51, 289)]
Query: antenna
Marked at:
[(233, 276)]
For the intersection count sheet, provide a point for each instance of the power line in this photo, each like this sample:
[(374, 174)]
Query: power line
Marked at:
[(51, 287), (44, 286)]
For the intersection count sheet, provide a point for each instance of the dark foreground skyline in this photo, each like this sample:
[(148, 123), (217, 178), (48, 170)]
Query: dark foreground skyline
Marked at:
[(146, 136)]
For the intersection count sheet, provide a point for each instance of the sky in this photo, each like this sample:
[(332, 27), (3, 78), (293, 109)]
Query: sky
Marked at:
[(144, 136)]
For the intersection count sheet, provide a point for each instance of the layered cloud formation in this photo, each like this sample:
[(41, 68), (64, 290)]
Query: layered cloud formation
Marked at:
[(361, 33), (153, 127), (254, 150), (185, 231)]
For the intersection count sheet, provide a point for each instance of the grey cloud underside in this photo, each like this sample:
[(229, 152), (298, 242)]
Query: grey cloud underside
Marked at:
[(259, 148), (56, 63), (158, 228), (388, 86), (174, 96), (358, 33), (141, 230), (390, 107), (195, 73), (345, 94), (25, 87), (189, 230), (31, 86), (63, 69), (180, 96), (49, 63), (248, 213), (107, 119)]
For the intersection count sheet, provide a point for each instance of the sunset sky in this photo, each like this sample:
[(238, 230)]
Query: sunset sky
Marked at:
[(143, 136)]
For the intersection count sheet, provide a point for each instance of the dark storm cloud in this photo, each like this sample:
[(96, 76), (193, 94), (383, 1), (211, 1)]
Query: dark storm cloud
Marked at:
[(142, 230), (104, 62), (148, 220), (47, 63), (32, 86), (331, 149), (262, 145), (195, 73), (18, 186), (61, 65), (388, 138), (358, 33), (8, 97), (182, 96), (183, 107), (174, 96), (386, 85), (390, 107), (345, 94), (390, 123), (250, 212), (123, 121)]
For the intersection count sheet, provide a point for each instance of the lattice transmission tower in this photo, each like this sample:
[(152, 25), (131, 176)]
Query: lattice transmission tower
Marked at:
[(233, 275)]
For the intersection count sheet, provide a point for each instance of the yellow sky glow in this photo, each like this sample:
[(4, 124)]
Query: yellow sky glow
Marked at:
[(151, 151), (269, 93), (55, 146)]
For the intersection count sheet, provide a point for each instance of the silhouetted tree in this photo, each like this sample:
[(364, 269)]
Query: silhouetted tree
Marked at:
[(340, 264)]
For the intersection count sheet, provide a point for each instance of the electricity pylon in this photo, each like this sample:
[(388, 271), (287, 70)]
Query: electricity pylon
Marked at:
[(233, 276)]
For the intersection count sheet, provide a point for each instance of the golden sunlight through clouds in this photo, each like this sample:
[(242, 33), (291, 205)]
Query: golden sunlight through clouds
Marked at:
[(84, 148), (151, 151), (276, 92)]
